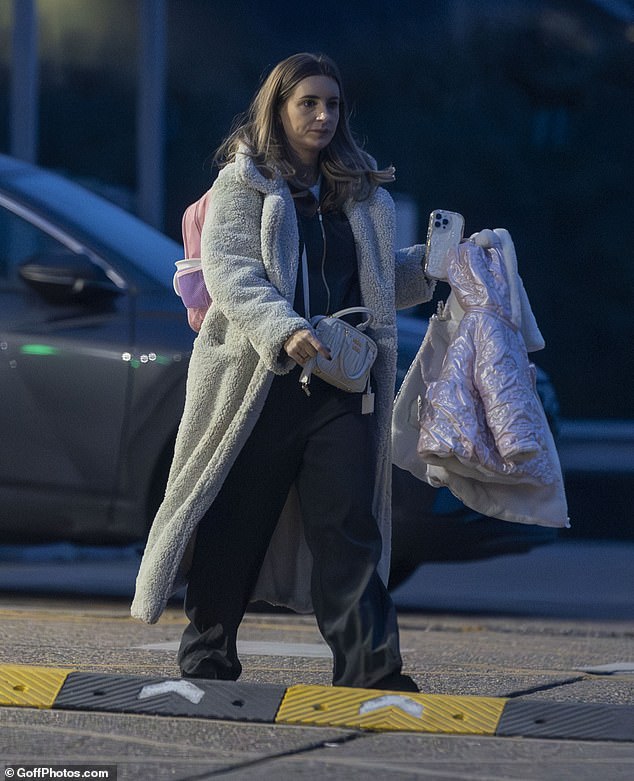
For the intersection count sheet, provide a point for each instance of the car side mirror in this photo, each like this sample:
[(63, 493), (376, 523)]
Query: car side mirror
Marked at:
[(66, 278)]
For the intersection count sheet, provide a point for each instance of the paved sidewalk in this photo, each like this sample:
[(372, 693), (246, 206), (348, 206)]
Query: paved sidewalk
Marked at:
[(524, 664)]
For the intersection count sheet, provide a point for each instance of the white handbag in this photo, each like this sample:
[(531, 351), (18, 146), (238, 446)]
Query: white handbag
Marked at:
[(352, 352)]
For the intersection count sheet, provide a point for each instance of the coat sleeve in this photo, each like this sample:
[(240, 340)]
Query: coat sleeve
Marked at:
[(235, 275), (411, 285)]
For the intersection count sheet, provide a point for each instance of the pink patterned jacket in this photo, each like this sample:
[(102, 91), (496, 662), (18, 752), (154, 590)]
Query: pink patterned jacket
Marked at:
[(482, 428)]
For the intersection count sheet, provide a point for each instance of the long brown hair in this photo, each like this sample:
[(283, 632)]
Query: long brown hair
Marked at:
[(349, 172)]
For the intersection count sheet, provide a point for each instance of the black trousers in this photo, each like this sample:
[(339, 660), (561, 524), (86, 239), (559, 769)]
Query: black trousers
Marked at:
[(324, 445)]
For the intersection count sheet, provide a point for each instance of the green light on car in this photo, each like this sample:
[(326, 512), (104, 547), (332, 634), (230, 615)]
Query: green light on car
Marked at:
[(38, 349)]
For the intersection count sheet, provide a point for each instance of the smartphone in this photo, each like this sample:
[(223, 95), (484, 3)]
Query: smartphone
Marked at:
[(445, 230)]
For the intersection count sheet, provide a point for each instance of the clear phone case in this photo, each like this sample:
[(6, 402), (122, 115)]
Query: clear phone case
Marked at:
[(445, 230)]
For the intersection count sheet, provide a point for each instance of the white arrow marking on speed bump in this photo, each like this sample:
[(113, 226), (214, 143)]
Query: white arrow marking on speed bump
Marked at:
[(405, 704), (186, 689)]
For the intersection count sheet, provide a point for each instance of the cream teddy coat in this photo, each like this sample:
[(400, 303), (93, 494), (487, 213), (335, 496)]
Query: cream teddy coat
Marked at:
[(250, 257)]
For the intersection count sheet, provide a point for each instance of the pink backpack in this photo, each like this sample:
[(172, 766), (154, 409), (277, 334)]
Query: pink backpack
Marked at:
[(189, 283)]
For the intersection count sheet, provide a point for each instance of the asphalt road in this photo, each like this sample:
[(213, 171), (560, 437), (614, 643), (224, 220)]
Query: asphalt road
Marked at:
[(570, 579), (524, 627)]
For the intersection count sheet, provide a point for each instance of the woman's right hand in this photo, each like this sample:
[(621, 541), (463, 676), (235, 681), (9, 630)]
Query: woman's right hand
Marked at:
[(304, 345)]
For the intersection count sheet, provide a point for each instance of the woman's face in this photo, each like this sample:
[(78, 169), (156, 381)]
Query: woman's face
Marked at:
[(310, 116)]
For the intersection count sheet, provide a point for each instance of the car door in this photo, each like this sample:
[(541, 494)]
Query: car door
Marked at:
[(64, 372)]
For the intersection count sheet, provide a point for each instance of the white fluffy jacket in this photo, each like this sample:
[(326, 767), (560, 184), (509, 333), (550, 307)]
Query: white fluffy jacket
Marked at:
[(250, 261)]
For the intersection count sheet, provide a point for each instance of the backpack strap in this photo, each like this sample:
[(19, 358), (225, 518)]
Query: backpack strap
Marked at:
[(192, 225)]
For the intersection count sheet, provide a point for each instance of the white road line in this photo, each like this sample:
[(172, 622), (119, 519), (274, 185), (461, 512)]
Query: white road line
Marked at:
[(255, 648)]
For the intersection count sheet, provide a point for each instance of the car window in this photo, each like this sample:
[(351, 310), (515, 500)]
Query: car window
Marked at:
[(20, 240), (101, 225)]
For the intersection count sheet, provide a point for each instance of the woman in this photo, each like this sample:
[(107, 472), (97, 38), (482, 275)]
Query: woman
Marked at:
[(275, 494)]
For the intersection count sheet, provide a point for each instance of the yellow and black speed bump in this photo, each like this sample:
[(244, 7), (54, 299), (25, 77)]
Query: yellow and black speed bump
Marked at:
[(33, 687), (226, 700), (380, 710), (325, 706), (570, 720)]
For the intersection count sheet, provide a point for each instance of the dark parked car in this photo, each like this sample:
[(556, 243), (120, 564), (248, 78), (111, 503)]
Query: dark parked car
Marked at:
[(94, 346), (93, 357)]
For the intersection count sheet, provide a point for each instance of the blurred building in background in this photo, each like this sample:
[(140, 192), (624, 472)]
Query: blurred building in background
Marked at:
[(518, 113)]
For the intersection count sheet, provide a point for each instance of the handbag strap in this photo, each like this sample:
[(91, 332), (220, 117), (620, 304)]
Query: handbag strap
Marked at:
[(357, 310), (351, 310), (305, 284), (367, 403)]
